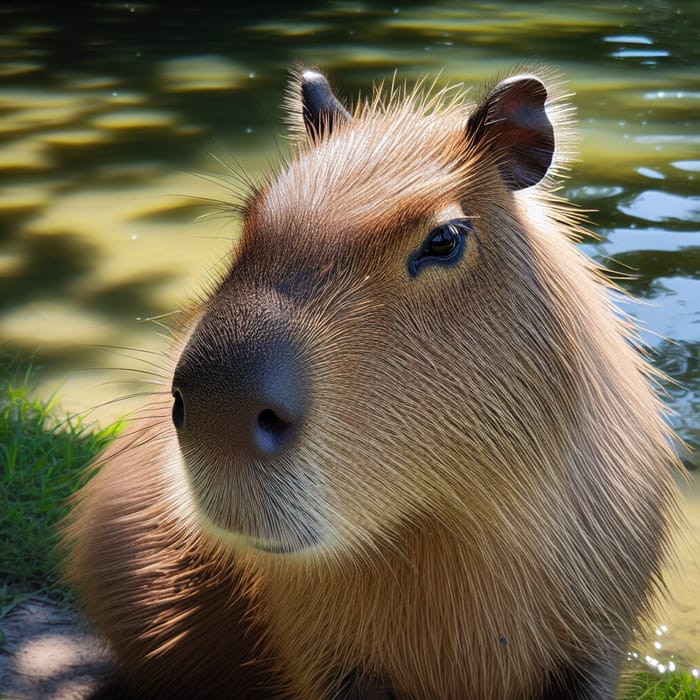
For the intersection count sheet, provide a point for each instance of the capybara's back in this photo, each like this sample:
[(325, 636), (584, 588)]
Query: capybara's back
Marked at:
[(410, 448)]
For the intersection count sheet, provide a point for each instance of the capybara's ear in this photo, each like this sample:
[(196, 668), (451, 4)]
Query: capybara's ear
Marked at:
[(321, 109), (511, 123)]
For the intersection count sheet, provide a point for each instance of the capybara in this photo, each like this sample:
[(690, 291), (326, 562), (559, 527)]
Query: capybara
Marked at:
[(409, 447)]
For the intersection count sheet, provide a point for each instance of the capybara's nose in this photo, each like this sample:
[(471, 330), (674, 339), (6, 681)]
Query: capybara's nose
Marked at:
[(239, 394)]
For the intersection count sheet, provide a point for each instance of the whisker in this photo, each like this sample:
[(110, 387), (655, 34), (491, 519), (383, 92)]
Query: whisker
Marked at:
[(135, 370), (221, 204), (133, 445), (236, 170), (140, 360), (139, 394), (126, 347), (122, 382), (119, 399), (165, 314)]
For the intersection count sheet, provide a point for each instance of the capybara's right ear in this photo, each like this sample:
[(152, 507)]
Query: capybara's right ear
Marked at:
[(321, 109), (511, 124)]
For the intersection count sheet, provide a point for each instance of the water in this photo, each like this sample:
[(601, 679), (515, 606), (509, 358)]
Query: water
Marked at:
[(108, 112)]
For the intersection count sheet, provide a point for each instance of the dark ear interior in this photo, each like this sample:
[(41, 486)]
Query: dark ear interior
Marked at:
[(321, 109), (511, 125)]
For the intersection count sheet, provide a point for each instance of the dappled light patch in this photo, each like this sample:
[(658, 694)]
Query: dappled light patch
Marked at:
[(48, 653)]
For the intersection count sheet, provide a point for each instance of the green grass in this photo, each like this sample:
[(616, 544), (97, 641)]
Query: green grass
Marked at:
[(652, 673), (649, 683), (43, 460), (676, 685)]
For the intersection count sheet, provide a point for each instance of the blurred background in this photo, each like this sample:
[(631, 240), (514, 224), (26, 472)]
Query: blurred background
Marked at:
[(113, 117)]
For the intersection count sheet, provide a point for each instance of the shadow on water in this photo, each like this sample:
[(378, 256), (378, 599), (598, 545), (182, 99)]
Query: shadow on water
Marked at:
[(58, 265), (126, 300), (645, 269), (51, 265)]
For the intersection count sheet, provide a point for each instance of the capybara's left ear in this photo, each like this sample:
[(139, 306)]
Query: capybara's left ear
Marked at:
[(511, 124), (321, 109)]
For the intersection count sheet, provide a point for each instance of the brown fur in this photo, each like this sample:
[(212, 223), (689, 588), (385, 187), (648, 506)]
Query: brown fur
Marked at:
[(483, 456)]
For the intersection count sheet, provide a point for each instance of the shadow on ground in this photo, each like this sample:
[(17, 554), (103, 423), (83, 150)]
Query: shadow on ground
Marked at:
[(49, 654)]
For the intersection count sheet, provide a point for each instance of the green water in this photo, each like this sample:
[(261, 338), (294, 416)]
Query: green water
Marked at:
[(109, 110)]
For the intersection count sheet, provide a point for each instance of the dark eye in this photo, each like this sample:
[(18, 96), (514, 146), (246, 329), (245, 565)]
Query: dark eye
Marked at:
[(443, 246)]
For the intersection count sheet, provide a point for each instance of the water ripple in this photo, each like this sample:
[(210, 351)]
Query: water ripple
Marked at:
[(657, 206)]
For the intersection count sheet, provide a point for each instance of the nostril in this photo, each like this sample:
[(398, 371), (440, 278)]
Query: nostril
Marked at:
[(273, 431), (271, 423), (178, 409)]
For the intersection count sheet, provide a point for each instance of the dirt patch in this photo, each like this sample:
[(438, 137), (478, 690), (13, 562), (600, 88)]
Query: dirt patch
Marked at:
[(48, 653)]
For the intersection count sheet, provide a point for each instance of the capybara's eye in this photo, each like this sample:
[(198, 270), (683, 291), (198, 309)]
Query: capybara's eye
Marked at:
[(443, 246)]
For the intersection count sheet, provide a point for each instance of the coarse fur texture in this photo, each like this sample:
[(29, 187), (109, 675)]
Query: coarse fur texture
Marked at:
[(475, 495)]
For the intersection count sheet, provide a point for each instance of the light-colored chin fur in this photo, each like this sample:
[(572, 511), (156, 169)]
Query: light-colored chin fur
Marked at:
[(230, 517), (236, 542)]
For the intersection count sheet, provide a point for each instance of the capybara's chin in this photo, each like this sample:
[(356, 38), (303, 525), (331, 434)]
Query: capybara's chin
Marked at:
[(243, 506)]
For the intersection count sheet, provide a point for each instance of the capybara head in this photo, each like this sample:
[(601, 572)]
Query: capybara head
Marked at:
[(363, 358), (400, 332), (412, 442)]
